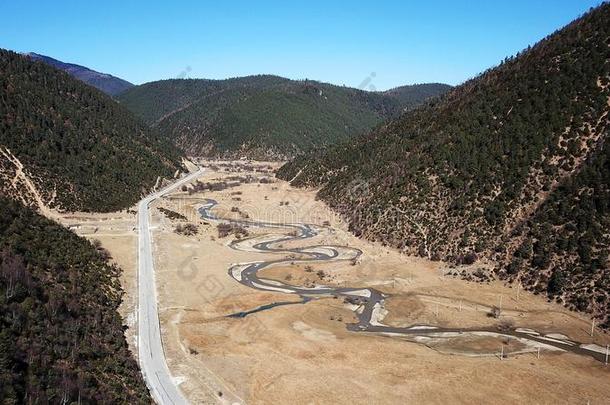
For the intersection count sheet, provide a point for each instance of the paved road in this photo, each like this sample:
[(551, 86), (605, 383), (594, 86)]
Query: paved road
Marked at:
[(150, 347), (369, 300)]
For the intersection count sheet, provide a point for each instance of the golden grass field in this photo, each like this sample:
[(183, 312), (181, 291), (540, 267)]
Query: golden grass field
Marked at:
[(303, 353)]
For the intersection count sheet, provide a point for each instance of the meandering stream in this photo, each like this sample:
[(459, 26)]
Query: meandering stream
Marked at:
[(368, 301)]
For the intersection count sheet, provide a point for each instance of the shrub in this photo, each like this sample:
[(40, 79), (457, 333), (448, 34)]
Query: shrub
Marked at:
[(186, 229)]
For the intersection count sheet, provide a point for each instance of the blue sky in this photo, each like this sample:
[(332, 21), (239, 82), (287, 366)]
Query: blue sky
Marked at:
[(342, 42)]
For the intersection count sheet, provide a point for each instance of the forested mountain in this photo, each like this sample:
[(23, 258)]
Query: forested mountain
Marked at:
[(411, 96), (155, 101), (107, 83), (263, 116), (69, 146), (61, 337), (512, 166), (66, 145)]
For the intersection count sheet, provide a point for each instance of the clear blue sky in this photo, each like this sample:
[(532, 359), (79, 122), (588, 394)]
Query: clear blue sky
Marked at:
[(341, 42)]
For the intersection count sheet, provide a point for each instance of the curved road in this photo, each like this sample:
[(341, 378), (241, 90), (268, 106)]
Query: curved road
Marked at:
[(369, 300), (150, 347)]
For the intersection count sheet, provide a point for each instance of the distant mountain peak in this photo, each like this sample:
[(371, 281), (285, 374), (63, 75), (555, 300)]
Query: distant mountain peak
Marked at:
[(105, 82)]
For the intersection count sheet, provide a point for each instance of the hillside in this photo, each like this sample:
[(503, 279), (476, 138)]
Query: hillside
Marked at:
[(411, 96), (68, 146), (107, 83), (262, 116), (61, 337), (511, 167), (155, 101)]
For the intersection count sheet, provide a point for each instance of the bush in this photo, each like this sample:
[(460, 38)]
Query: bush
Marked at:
[(470, 258), (172, 214), (225, 230), (186, 229), (556, 283), (495, 312)]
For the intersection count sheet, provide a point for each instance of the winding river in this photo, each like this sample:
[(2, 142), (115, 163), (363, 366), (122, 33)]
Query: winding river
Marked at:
[(368, 302)]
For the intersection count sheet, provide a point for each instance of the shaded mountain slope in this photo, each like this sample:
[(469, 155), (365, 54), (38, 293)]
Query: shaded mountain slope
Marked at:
[(107, 83), (61, 337), (71, 146)]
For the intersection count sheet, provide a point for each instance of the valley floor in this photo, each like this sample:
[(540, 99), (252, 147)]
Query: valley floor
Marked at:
[(303, 353)]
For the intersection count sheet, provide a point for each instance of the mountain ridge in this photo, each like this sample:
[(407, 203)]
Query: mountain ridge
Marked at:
[(262, 116), (411, 95), (105, 82)]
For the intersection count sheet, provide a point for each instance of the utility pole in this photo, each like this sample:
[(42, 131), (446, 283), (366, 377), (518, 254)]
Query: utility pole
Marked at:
[(592, 327), (607, 350), (460, 306), (502, 352), (538, 353)]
